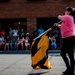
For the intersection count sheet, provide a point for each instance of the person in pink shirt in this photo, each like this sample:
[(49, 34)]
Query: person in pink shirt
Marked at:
[(67, 29)]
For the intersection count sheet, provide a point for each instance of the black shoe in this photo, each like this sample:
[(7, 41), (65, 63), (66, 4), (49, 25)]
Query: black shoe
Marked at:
[(66, 72), (71, 73)]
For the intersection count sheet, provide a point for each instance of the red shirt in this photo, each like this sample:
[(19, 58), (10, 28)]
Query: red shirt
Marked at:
[(3, 33)]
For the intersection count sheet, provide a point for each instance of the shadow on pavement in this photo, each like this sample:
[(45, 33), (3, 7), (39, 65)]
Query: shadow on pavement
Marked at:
[(38, 73)]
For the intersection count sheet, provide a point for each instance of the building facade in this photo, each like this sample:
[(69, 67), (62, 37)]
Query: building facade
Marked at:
[(28, 14)]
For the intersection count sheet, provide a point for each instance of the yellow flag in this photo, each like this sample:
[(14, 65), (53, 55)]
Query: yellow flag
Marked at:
[(39, 52)]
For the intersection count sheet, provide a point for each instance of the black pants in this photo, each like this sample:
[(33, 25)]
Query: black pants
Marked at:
[(67, 52)]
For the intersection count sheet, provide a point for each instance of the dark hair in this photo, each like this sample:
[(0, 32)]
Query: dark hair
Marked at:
[(74, 12), (71, 10)]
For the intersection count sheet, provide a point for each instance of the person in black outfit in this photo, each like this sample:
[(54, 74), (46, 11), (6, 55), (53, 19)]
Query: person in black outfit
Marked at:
[(68, 40)]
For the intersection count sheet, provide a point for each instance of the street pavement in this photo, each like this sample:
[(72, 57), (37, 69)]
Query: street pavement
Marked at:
[(20, 64)]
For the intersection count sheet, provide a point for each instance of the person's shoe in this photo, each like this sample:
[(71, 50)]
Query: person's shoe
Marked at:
[(71, 72), (66, 72)]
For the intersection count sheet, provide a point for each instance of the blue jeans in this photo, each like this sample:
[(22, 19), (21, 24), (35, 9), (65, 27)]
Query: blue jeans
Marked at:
[(13, 46)]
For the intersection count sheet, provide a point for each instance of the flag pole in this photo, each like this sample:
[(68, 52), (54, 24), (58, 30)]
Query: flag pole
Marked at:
[(46, 31)]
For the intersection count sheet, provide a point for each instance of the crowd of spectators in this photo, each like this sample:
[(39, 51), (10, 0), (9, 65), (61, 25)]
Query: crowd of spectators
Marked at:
[(15, 40), (54, 35), (19, 40)]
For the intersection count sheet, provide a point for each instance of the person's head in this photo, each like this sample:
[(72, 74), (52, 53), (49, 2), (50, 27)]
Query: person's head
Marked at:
[(27, 34), (69, 11)]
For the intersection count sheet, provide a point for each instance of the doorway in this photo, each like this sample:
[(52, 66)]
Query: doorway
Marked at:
[(19, 24), (46, 22)]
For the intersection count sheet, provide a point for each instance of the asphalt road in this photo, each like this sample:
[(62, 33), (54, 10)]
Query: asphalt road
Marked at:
[(20, 64)]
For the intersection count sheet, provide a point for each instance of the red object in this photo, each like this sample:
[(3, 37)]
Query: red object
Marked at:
[(3, 33)]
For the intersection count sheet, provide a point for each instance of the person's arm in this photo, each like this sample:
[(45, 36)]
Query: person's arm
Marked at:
[(59, 17), (57, 25)]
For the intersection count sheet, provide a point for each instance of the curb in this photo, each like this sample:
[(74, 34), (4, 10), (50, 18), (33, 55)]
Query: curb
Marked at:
[(26, 52)]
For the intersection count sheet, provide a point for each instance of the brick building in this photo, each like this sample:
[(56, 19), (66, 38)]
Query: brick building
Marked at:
[(28, 14)]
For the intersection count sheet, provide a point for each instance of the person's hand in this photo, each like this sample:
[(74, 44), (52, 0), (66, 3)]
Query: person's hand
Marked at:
[(59, 17), (56, 24)]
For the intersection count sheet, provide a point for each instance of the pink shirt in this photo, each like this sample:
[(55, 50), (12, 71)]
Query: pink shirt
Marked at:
[(67, 27)]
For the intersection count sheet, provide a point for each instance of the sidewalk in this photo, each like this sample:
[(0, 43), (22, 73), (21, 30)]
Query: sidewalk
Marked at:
[(20, 64)]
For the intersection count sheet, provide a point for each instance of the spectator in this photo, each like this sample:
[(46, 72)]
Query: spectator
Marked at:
[(3, 33), (56, 34), (7, 41), (15, 32), (22, 33), (1, 41), (53, 43), (13, 43), (35, 33), (27, 41), (20, 41), (40, 30), (10, 33)]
